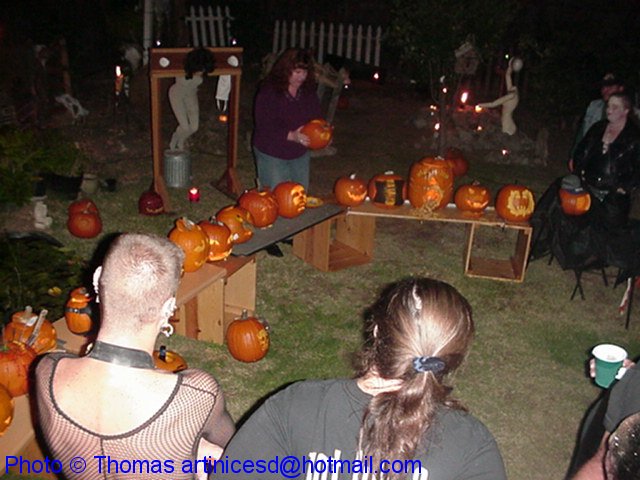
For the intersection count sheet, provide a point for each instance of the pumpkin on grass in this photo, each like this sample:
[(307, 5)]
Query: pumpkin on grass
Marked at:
[(319, 132), (150, 203), (291, 198), (15, 361), (350, 191), (247, 338), (261, 204), (84, 219), (6, 410), (515, 203), (193, 242)]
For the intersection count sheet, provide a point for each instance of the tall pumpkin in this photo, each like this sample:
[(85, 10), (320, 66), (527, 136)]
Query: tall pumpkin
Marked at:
[(291, 198), (219, 236), (77, 312), (247, 338), (15, 361), (193, 242), (430, 183), (261, 204), (387, 190), (350, 191), (515, 203)]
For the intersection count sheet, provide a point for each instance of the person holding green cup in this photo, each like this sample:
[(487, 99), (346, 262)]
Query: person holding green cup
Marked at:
[(609, 359)]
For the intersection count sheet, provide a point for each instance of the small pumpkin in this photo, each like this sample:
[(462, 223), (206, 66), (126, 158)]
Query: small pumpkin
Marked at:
[(6, 410), (472, 198), (291, 198), (15, 361), (350, 191), (238, 220), (319, 132), (22, 326), (430, 183), (261, 204), (167, 360), (77, 312), (387, 190), (150, 203), (247, 338), (515, 203), (84, 219), (459, 165), (219, 236), (193, 242), (575, 202)]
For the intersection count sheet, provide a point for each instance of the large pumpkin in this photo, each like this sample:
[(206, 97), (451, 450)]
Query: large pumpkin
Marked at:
[(387, 190), (84, 219), (247, 339), (261, 204), (77, 312), (6, 410), (515, 203), (319, 132), (219, 236), (193, 242), (575, 201), (15, 360), (350, 191), (238, 220), (21, 328), (167, 360), (472, 198), (459, 165), (430, 183), (291, 198)]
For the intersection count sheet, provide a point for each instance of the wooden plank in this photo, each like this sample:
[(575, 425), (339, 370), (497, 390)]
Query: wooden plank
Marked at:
[(211, 312), (357, 232), (343, 256)]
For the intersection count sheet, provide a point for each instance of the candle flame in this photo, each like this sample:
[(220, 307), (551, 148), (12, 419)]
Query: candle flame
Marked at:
[(478, 108), (444, 90), (479, 128), (464, 97), (505, 151), (118, 71), (436, 127)]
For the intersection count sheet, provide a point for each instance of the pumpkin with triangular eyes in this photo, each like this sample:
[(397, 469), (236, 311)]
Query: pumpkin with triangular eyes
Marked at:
[(238, 220), (350, 191), (472, 198)]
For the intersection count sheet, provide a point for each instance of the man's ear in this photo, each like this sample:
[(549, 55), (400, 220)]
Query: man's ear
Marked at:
[(96, 280)]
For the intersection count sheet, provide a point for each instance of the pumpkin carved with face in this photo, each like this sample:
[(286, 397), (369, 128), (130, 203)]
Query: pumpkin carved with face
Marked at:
[(350, 191), (193, 242), (238, 220), (150, 203), (262, 205), (515, 203), (472, 199), (430, 184), (220, 243), (291, 198)]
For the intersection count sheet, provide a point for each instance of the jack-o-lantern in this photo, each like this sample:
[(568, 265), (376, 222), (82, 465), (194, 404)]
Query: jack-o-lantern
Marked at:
[(22, 327), (575, 201), (515, 203), (167, 360), (262, 205), (239, 222), (150, 203), (387, 190), (319, 132), (350, 191), (459, 165), (193, 242), (15, 360), (430, 183), (291, 198), (6, 410), (247, 338), (220, 243), (472, 199), (84, 219), (77, 312)]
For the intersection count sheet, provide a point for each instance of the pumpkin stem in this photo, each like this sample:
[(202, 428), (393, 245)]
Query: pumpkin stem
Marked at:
[(162, 353), (245, 314)]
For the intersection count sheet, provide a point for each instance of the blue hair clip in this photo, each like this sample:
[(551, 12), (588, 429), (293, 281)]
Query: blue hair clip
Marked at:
[(428, 364)]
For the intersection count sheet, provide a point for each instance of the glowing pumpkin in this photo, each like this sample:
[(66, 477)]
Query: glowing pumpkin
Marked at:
[(291, 198), (472, 199), (319, 132), (167, 360), (575, 201), (350, 191), (387, 190), (247, 339), (262, 205), (454, 157), (430, 183), (77, 312), (150, 203), (515, 203), (21, 328), (15, 361), (193, 242), (238, 220), (6, 410), (219, 236)]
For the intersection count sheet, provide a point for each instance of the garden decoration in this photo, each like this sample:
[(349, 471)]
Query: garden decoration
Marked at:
[(387, 190), (291, 198), (319, 132), (15, 361), (472, 199), (574, 199), (247, 338), (219, 236), (515, 203), (350, 191), (509, 101), (77, 312), (33, 330), (193, 242), (41, 219), (6, 409), (168, 360), (430, 184), (455, 158), (84, 219), (262, 205), (238, 220), (150, 203)]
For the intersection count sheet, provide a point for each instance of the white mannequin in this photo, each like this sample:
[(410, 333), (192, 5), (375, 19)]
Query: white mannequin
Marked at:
[(183, 97), (509, 102)]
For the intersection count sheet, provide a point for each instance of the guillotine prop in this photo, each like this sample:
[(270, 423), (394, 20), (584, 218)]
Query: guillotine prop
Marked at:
[(169, 63)]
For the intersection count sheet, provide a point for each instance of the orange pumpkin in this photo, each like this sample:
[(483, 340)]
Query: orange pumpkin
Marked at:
[(319, 132), (515, 203), (350, 191), (459, 165), (219, 236), (261, 204), (168, 360), (84, 219), (387, 190), (22, 326), (193, 242), (291, 198), (430, 183), (247, 339), (6, 410), (238, 220), (575, 202), (472, 199), (77, 312), (15, 361)]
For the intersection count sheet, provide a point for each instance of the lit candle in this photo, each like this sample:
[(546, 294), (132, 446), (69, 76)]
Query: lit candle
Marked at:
[(194, 194), (479, 128), (119, 80), (376, 76), (223, 118), (444, 90), (478, 108), (464, 97), (505, 152)]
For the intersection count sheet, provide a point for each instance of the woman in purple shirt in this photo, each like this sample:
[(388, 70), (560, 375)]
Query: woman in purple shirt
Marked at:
[(285, 102)]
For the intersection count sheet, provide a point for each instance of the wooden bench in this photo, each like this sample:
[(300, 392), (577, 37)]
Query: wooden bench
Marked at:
[(348, 239)]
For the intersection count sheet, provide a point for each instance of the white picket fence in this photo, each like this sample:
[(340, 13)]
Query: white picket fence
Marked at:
[(356, 43), (209, 29)]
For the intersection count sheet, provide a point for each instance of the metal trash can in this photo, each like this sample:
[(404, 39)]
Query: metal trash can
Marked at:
[(177, 168)]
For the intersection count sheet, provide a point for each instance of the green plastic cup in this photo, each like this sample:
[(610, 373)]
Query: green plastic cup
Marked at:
[(609, 359)]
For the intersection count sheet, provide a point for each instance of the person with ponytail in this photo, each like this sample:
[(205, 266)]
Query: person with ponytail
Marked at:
[(396, 419)]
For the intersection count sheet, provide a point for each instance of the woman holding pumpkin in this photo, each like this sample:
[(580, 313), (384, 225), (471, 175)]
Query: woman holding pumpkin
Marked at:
[(398, 407), (112, 402)]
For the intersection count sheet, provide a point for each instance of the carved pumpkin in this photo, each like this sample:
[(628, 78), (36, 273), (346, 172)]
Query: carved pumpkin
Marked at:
[(430, 183), (22, 326), (387, 190), (193, 242), (219, 236), (238, 220), (15, 360), (515, 203), (168, 360), (247, 339), (262, 205), (459, 165), (77, 312), (472, 199), (84, 219), (291, 198), (6, 410), (150, 203), (319, 132), (350, 191), (575, 201)]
